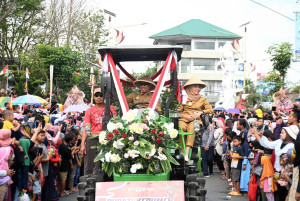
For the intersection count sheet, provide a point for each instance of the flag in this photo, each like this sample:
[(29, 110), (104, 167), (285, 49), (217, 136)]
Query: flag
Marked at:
[(27, 73), (4, 71), (11, 103), (26, 87)]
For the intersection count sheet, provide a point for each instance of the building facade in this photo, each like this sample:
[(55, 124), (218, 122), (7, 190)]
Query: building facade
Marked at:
[(200, 56)]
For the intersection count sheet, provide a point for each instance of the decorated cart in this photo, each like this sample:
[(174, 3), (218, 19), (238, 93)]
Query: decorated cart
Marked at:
[(139, 144)]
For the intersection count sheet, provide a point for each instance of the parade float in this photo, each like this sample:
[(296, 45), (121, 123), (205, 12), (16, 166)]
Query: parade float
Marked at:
[(141, 146)]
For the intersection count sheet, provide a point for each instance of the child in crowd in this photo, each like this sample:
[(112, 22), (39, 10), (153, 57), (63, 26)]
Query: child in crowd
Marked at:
[(6, 153), (237, 156), (66, 162), (245, 174)]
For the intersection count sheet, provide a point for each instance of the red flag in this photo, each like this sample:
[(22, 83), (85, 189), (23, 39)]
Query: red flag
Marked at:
[(5, 70)]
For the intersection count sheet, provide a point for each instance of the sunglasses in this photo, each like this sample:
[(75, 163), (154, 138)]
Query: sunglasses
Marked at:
[(144, 84), (98, 94)]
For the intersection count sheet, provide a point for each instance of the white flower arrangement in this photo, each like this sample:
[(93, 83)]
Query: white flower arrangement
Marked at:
[(136, 142)]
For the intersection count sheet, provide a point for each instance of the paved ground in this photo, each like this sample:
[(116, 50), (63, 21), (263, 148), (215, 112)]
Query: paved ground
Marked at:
[(216, 190)]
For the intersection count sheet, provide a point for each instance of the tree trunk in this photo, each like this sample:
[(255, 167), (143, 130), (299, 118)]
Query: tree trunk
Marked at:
[(3, 41), (69, 34)]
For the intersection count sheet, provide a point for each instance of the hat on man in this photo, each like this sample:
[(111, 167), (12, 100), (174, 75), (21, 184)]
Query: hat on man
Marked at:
[(193, 80), (146, 79), (292, 131), (97, 90)]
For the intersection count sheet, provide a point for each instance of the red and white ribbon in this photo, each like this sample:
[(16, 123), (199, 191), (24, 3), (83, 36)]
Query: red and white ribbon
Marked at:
[(108, 63), (169, 64)]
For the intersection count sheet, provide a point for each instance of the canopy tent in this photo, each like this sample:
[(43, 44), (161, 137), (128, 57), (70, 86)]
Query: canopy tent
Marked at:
[(77, 108), (29, 100)]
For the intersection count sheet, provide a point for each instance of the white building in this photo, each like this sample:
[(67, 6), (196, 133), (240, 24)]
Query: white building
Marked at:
[(200, 55)]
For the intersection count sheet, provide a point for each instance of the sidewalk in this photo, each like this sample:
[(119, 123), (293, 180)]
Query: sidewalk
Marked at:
[(217, 189)]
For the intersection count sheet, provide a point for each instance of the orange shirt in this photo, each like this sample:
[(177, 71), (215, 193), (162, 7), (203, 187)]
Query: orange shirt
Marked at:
[(95, 116)]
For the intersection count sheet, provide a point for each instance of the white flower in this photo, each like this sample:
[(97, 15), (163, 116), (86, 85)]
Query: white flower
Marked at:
[(145, 127), (130, 115), (133, 153), (131, 138), (102, 136), (111, 126), (118, 144), (119, 125), (173, 133), (161, 157), (135, 167), (115, 158), (153, 151), (126, 155), (133, 170), (150, 116), (104, 142), (107, 156), (136, 143)]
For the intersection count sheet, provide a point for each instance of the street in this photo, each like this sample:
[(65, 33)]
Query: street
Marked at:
[(216, 190)]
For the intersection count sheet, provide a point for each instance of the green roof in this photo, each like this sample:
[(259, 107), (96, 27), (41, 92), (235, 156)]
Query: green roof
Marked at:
[(196, 28)]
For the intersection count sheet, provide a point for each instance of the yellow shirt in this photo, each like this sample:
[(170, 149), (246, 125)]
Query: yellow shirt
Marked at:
[(7, 125)]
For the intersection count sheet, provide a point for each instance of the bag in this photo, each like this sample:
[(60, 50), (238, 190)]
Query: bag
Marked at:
[(258, 170), (252, 188), (256, 160), (23, 197)]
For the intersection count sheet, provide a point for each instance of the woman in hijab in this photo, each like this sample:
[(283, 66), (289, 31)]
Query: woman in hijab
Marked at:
[(192, 109)]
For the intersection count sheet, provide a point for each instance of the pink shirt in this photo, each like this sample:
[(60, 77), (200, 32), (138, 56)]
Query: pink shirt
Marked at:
[(94, 116)]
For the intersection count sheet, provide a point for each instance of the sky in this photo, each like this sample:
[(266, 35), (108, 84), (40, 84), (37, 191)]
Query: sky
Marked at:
[(266, 27)]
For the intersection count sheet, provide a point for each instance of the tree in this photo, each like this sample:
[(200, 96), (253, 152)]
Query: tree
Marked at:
[(281, 57), (254, 99), (65, 62)]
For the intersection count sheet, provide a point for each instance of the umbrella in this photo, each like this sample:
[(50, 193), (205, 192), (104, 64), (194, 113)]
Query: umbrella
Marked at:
[(77, 108), (241, 107), (220, 108), (4, 100), (231, 110), (29, 100)]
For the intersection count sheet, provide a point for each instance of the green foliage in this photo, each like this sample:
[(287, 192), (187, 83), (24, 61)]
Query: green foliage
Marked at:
[(151, 70), (281, 57), (65, 62), (273, 82), (164, 97), (254, 99)]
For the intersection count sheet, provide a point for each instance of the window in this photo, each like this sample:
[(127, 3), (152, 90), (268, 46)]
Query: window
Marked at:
[(185, 65), (221, 44), (186, 46), (204, 45), (203, 64)]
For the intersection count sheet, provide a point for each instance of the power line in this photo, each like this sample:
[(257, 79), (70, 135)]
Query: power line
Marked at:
[(273, 10)]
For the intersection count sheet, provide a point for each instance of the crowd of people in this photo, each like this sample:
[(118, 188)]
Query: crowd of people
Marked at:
[(39, 153), (43, 153), (257, 153)]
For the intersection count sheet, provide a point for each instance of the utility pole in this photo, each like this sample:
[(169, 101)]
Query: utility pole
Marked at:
[(245, 55), (109, 20)]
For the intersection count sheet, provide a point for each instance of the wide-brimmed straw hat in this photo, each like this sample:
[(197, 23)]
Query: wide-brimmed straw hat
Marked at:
[(194, 80), (147, 79)]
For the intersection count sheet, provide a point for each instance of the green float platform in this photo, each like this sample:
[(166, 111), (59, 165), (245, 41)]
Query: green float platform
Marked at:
[(142, 177)]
